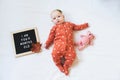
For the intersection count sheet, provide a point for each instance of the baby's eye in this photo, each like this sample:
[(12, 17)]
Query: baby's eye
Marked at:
[(54, 18), (90, 34), (58, 16)]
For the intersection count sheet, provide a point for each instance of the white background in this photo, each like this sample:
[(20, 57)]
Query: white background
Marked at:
[(98, 62)]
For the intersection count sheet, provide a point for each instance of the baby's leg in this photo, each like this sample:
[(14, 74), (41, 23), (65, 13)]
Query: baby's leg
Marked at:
[(70, 57), (57, 54), (57, 61)]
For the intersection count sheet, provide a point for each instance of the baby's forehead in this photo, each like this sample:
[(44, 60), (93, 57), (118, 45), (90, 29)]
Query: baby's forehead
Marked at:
[(55, 13)]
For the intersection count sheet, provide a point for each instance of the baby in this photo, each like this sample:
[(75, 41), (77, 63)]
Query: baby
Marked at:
[(61, 35)]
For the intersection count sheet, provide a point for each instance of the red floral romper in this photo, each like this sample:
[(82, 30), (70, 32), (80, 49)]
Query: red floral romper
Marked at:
[(61, 36)]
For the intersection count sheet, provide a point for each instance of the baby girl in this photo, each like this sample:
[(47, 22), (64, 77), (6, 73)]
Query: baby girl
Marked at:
[(61, 35)]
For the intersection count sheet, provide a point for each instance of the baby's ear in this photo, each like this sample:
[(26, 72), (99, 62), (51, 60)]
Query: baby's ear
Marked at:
[(63, 16)]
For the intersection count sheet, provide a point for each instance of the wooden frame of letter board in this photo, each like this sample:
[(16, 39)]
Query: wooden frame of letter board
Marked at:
[(28, 52)]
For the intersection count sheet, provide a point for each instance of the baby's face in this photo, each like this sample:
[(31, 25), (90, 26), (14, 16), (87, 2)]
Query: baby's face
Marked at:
[(57, 17)]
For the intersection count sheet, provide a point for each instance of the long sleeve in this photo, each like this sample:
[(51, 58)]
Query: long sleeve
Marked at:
[(50, 37), (80, 27)]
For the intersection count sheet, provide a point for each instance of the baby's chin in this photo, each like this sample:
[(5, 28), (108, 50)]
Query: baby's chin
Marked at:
[(59, 22)]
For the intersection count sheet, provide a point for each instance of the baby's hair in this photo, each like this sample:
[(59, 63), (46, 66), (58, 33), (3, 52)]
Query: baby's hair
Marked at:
[(59, 10)]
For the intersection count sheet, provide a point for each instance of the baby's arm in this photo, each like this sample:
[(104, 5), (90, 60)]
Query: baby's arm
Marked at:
[(50, 38), (80, 27)]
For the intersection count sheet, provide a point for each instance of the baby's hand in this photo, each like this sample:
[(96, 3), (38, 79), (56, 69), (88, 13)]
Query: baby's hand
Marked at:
[(86, 24), (45, 46)]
